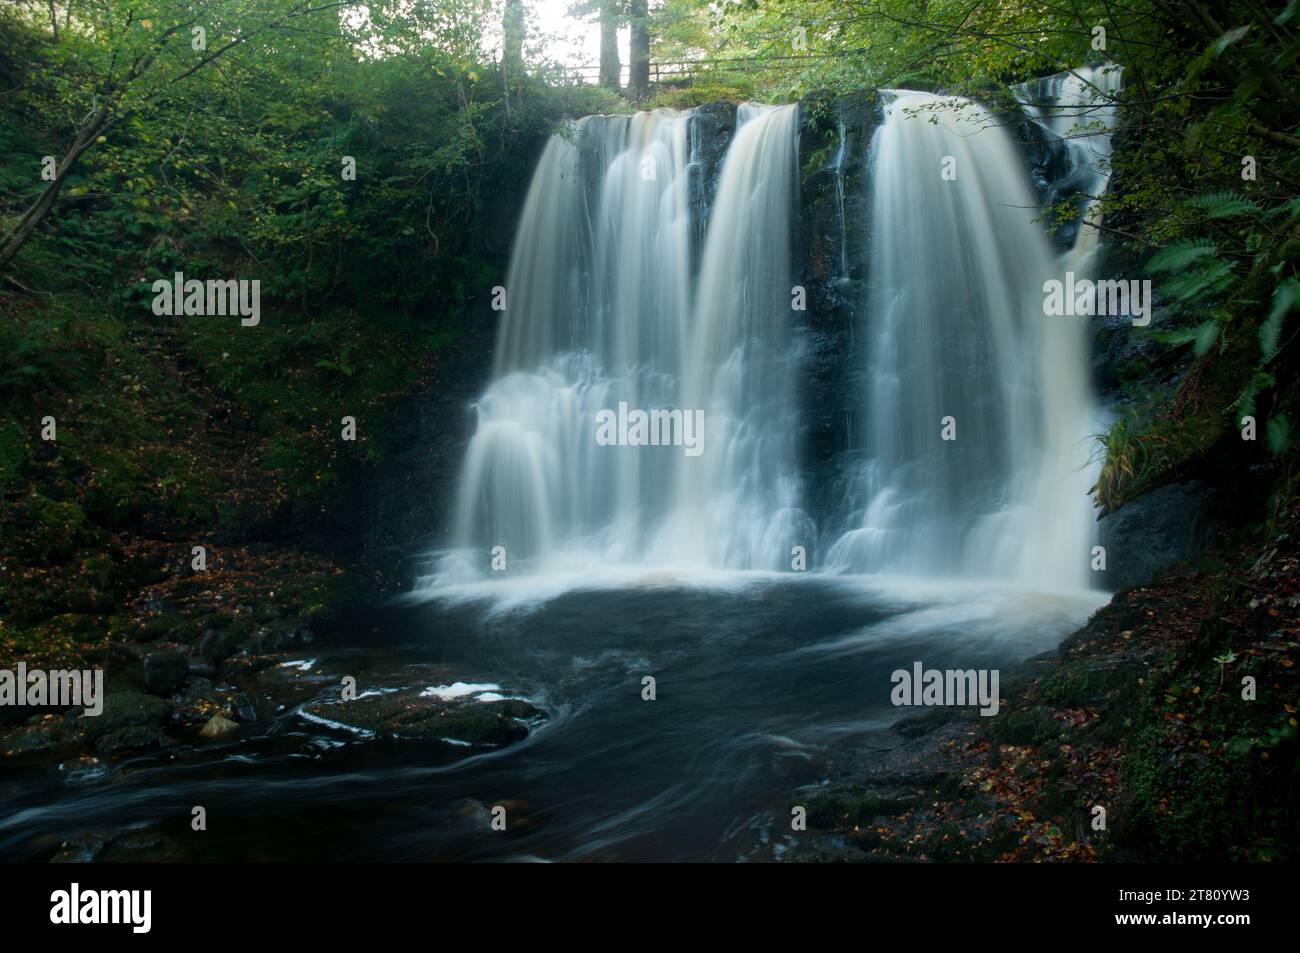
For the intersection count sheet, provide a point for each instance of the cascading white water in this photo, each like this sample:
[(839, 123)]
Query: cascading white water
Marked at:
[(1077, 109), (603, 310), (956, 329), (600, 312), (737, 506)]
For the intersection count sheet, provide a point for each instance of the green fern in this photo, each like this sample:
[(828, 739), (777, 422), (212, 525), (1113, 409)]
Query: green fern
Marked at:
[(1245, 402), (1179, 255), (1285, 297), (1204, 336), (1199, 284), (1286, 210), (1224, 205)]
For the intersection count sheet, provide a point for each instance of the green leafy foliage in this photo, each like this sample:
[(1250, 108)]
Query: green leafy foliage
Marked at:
[(1179, 255), (1285, 297), (1224, 205), (177, 427)]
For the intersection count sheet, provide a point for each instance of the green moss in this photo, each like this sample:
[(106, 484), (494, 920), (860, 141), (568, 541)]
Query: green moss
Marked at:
[(1208, 775), (49, 531), (117, 488), (815, 161), (14, 450), (849, 808), (1023, 727), (59, 642)]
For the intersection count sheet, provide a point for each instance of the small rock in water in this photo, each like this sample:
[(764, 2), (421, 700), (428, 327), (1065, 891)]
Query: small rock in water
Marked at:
[(219, 726), (250, 706)]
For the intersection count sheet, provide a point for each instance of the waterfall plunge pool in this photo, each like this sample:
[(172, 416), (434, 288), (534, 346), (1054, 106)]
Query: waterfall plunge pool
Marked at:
[(758, 677)]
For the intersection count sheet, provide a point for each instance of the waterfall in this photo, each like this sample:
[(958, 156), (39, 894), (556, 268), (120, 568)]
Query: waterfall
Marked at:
[(737, 506), (1077, 111), (601, 316), (837, 166), (596, 298), (625, 294), (959, 348)]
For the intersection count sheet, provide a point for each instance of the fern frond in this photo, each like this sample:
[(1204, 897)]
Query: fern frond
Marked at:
[(1285, 297), (1180, 254), (1225, 204)]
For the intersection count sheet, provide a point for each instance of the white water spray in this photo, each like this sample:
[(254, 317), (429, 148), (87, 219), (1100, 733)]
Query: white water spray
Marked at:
[(601, 312), (956, 329), (605, 308)]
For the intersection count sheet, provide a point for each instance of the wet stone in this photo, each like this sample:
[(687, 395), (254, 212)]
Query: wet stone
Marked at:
[(413, 714)]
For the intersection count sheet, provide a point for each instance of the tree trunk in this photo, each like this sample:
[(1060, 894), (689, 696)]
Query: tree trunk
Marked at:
[(39, 209), (512, 31), (640, 49), (110, 114), (611, 70)]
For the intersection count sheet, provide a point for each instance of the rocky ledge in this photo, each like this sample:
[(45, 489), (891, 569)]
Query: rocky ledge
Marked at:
[(244, 695), (413, 714)]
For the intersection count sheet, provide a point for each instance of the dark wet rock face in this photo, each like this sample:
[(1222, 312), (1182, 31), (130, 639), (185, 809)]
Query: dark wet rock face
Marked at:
[(1052, 175), (1129, 361), (158, 668), (712, 127), (253, 706), (1160, 528), (414, 714), (831, 265)]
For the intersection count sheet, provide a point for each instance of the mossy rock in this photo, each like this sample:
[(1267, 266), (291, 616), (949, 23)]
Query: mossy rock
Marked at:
[(1024, 726), (99, 570), (42, 736), (851, 808), (125, 709), (131, 738)]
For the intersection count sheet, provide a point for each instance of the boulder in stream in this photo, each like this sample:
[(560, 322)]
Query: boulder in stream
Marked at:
[(421, 715)]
